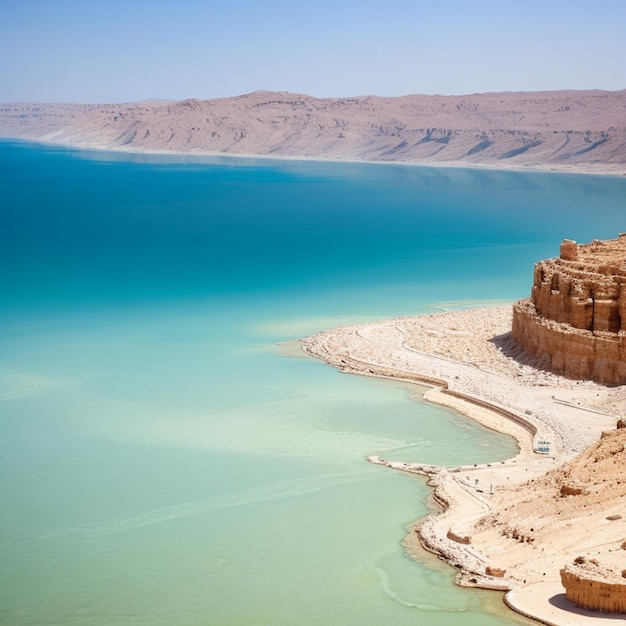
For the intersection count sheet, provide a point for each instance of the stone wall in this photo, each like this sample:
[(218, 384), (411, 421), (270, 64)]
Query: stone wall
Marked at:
[(574, 323), (571, 352), (595, 590)]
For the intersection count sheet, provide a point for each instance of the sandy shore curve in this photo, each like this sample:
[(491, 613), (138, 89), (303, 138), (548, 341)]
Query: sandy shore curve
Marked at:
[(471, 365)]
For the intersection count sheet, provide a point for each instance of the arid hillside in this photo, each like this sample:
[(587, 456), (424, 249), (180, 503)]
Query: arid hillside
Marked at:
[(576, 130), (575, 511)]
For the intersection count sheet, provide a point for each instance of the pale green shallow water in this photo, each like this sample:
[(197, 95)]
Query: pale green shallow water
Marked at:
[(163, 460)]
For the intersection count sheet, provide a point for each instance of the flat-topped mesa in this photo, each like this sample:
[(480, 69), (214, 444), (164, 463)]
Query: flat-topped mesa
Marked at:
[(591, 586), (574, 323)]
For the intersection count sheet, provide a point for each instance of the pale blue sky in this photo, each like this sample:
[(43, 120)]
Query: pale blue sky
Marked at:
[(127, 50)]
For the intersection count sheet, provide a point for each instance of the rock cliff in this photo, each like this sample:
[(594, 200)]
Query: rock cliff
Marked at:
[(591, 586), (574, 323)]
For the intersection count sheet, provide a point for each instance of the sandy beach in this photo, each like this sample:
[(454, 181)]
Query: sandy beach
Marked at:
[(510, 525)]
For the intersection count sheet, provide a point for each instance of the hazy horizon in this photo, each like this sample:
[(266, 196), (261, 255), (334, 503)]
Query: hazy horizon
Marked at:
[(78, 52), (156, 99)]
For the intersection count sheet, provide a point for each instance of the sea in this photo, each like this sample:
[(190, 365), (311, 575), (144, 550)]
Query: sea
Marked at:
[(168, 454)]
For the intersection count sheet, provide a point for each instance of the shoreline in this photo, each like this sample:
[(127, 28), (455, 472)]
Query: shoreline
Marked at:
[(618, 171), (472, 372)]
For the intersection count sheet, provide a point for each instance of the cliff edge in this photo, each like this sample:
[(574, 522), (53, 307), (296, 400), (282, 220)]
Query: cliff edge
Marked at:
[(574, 323)]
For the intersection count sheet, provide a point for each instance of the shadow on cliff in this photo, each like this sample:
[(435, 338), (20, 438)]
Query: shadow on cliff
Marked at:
[(511, 349), (561, 602)]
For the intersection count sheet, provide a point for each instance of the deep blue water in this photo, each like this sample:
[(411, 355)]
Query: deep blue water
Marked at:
[(163, 459), (82, 231)]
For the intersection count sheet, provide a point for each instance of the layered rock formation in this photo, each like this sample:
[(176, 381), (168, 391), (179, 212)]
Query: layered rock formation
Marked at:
[(580, 130), (591, 586), (574, 323)]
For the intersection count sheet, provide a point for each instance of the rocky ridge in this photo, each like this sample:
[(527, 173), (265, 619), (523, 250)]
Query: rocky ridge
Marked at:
[(579, 130)]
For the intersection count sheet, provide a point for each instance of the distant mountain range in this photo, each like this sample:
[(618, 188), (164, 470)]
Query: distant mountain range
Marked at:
[(565, 130)]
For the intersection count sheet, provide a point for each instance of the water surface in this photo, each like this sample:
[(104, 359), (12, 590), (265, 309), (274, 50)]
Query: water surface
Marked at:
[(165, 459)]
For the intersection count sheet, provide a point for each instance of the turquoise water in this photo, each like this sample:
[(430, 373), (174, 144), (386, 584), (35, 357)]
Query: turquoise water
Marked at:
[(167, 456)]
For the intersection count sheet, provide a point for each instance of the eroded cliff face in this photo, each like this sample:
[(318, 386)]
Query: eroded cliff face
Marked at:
[(583, 130), (591, 586), (574, 323)]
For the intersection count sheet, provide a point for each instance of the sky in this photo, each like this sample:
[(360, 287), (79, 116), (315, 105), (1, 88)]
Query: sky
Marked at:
[(129, 50)]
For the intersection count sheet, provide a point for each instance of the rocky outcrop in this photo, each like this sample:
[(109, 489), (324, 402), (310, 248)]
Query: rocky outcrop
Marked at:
[(582, 287), (574, 323), (591, 586)]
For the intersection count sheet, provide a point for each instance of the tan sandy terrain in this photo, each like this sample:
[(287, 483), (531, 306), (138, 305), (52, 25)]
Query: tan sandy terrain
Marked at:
[(509, 525), (563, 130)]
